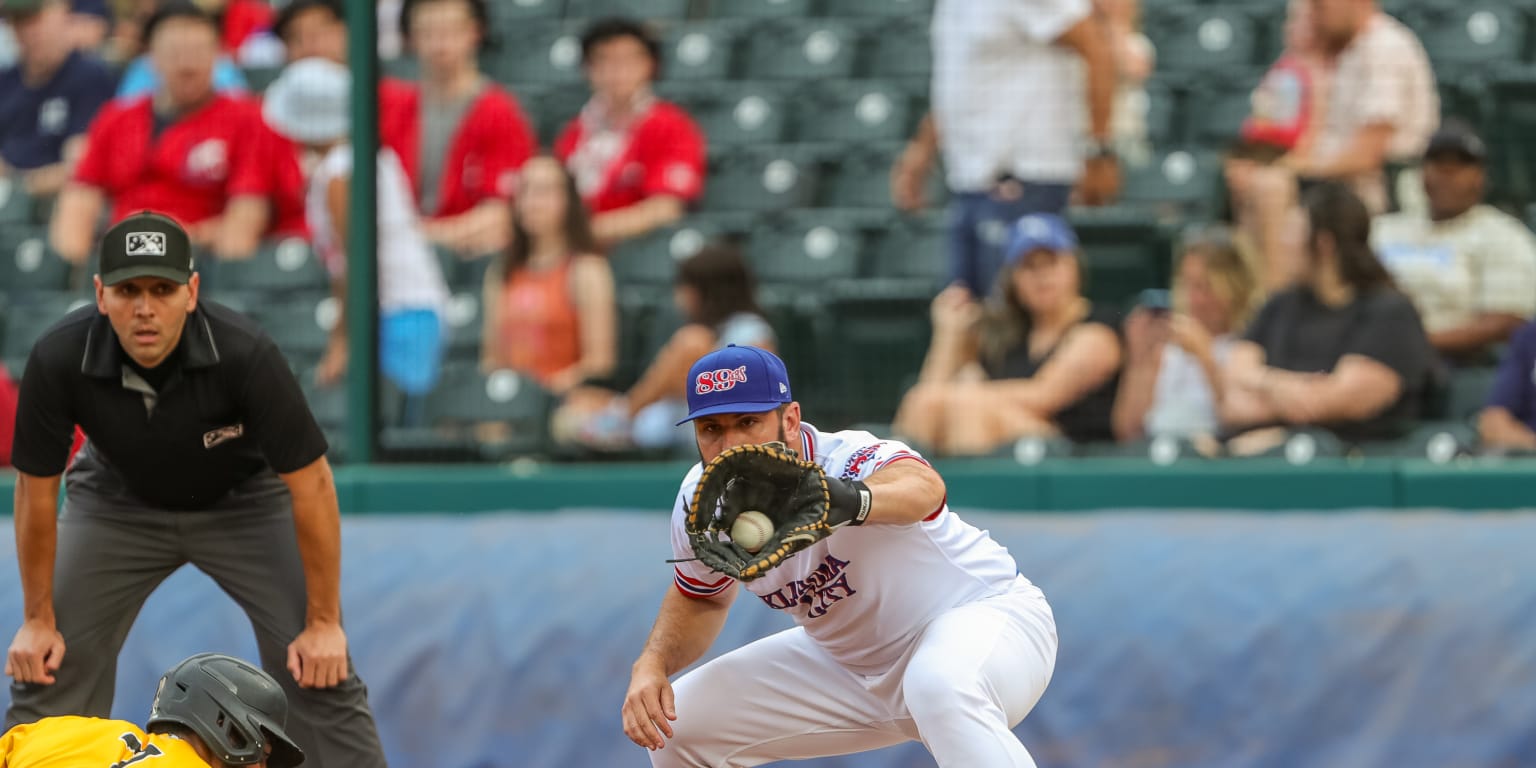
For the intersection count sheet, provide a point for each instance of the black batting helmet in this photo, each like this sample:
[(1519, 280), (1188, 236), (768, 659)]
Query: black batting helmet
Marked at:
[(237, 709)]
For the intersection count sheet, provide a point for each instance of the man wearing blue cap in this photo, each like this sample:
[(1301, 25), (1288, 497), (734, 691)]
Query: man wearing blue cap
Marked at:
[(911, 623)]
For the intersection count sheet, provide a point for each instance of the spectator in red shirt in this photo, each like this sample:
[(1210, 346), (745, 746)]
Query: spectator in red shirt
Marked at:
[(318, 29), (638, 160), (206, 159), (462, 138), (7, 415)]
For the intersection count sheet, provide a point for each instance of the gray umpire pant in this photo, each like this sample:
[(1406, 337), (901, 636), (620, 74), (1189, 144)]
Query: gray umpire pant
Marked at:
[(113, 552)]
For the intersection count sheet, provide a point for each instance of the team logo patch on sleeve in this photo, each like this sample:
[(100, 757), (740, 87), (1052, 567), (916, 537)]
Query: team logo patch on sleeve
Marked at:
[(146, 243), (222, 435), (857, 461)]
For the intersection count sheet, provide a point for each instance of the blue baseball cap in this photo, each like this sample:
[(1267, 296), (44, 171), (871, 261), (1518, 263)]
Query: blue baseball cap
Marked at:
[(1039, 232), (736, 380)]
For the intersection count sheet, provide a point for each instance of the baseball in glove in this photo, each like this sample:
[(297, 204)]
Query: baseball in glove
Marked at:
[(804, 504)]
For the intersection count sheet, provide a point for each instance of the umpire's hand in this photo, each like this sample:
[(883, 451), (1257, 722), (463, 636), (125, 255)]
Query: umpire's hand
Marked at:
[(36, 653), (317, 658)]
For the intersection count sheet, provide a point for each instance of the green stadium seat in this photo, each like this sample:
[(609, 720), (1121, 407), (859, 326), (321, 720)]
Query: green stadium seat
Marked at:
[(1125, 251), (700, 51), (278, 267), (860, 179), (877, 333), (1178, 182), (762, 9), (27, 263), (510, 14), (1469, 388), (804, 49), (807, 251), (638, 9), (1476, 33), (855, 112), (652, 259), (901, 49), (537, 53), (466, 398), (1439, 442), (301, 326), (913, 249), (16, 206), (1511, 135), (1204, 39), (465, 320), (1163, 110), (1221, 111), (760, 180), (30, 315), (921, 9), (552, 108), (403, 68), (744, 115), (258, 78)]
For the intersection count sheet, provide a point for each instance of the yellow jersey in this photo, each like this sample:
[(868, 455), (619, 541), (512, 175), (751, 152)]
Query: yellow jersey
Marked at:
[(90, 742)]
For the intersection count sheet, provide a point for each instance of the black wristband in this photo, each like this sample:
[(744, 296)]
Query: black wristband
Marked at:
[(850, 501)]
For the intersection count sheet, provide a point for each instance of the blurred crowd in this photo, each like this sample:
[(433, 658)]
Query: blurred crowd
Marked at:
[(1359, 266)]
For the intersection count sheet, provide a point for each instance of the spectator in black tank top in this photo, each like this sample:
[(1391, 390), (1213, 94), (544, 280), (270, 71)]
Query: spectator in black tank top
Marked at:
[(1042, 360), (1343, 351)]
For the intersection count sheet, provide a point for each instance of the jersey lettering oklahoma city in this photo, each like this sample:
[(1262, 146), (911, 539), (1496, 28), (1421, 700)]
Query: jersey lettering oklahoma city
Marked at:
[(926, 568)]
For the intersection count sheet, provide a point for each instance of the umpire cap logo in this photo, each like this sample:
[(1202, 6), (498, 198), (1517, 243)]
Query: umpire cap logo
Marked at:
[(146, 244)]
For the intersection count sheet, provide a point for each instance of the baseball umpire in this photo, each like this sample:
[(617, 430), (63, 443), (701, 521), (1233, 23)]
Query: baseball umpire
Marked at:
[(912, 624), (200, 449), (210, 711)]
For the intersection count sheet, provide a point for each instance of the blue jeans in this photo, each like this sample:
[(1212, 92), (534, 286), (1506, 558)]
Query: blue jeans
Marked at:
[(978, 229)]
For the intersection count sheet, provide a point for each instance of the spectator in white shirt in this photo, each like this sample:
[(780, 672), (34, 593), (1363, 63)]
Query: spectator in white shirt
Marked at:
[(1023, 92), (1469, 268)]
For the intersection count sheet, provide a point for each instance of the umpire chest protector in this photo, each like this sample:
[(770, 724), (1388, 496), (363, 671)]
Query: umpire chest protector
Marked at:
[(228, 411)]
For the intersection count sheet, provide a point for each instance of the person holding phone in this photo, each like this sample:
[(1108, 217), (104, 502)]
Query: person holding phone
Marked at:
[(1176, 342)]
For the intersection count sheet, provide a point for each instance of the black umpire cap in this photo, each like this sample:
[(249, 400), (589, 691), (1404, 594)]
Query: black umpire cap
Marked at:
[(146, 244)]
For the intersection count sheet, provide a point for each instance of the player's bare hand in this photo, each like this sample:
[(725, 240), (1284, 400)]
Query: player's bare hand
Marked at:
[(649, 707), (35, 653), (317, 658), (1101, 181)]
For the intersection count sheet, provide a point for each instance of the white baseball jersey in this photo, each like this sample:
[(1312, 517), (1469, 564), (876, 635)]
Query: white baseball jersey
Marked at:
[(863, 593)]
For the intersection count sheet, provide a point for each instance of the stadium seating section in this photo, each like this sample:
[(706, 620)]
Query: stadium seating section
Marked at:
[(805, 103)]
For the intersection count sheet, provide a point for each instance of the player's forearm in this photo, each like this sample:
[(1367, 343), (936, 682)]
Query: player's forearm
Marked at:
[(36, 523), (635, 220), (685, 628), (317, 522), (904, 492)]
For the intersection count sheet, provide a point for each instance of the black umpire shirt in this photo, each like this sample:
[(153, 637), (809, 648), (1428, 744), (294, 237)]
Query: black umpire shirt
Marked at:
[(227, 409)]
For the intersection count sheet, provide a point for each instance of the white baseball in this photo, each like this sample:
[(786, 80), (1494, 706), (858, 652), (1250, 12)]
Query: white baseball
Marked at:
[(751, 530)]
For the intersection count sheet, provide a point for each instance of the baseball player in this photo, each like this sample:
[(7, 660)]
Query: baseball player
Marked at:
[(200, 448), (912, 624), (210, 711)]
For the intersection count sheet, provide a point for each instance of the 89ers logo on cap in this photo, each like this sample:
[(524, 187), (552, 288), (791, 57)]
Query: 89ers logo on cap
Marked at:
[(720, 380)]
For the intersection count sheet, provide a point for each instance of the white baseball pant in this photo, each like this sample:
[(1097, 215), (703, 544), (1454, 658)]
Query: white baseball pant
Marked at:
[(970, 676)]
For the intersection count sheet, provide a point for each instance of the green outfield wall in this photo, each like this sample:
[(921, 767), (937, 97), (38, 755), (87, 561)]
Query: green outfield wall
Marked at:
[(1080, 484)]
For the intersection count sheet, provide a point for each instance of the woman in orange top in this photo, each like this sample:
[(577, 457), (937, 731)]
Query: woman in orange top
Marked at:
[(549, 299)]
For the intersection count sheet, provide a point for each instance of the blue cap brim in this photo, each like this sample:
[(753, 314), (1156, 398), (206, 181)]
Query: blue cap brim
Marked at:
[(716, 410)]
